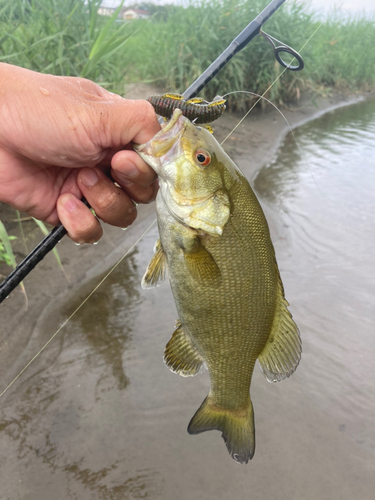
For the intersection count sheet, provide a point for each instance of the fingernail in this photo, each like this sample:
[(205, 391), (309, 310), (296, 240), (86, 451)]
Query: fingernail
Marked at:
[(70, 204), (89, 177), (130, 171)]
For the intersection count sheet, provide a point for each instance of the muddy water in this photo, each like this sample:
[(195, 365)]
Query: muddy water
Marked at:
[(98, 416), (324, 193)]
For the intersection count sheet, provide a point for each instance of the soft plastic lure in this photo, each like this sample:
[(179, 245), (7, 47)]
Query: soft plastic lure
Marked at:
[(195, 109)]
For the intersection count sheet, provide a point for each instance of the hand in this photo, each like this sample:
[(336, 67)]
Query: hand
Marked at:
[(58, 138)]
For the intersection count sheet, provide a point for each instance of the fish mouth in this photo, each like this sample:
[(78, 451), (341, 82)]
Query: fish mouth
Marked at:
[(167, 126), (162, 143)]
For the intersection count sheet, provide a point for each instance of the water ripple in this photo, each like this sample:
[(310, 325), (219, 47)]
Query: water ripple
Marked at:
[(324, 192)]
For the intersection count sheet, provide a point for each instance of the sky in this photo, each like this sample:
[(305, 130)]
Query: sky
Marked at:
[(352, 6), (349, 5)]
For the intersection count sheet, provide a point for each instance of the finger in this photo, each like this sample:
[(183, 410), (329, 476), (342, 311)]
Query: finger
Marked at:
[(111, 203), (126, 121), (78, 220), (141, 194), (129, 166)]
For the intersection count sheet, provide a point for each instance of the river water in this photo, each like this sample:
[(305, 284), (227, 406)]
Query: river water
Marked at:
[(100, 417)]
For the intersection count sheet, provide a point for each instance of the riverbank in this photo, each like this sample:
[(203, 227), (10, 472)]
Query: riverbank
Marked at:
[(254, 144)]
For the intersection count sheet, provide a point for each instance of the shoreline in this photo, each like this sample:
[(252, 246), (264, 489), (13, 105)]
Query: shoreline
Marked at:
[(252, 146)]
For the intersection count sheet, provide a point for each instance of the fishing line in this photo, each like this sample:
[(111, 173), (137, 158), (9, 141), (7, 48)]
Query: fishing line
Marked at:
[(285, 118), (272, 84), (260, 97), (78, 308)]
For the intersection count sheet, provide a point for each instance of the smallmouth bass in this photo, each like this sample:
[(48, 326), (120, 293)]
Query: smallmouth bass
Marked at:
[(216, 246)]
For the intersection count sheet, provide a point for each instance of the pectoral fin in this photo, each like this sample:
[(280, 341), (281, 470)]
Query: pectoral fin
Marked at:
[(282, 353), (180, 354), (157, 269), (200, 263)]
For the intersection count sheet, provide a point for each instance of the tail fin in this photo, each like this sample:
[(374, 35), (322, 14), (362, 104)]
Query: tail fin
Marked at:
[(237, 427)]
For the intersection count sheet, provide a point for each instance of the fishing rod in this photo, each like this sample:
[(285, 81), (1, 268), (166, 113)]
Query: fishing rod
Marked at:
[(244, 38)]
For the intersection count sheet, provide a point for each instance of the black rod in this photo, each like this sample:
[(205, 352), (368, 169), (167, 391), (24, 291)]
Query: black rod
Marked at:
[(27, 265), (245, 37), (51, 240)]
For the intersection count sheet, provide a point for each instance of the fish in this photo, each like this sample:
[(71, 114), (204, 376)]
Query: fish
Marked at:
[(216, 248)]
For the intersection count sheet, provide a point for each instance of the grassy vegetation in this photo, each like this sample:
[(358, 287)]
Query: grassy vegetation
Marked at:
[(7, 255), (63, 37), (175, 51), (177, 44), (6, 251)]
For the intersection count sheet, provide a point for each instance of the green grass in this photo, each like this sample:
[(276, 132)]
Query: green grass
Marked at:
[(7, 255), (6, 251), (63, 37), (174, 47)]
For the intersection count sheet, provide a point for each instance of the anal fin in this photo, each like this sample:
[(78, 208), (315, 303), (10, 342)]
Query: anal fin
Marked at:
[(157, 269), (282, 353), (180, 354)]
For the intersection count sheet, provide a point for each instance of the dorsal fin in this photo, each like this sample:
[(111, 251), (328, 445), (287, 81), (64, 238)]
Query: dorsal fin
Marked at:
[(282, 353)]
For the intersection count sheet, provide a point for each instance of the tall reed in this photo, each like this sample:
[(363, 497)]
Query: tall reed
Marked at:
[(172, 48), (63, 37)]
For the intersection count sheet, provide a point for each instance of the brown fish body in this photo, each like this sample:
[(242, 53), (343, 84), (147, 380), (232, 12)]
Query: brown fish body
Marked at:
[(225, 283)]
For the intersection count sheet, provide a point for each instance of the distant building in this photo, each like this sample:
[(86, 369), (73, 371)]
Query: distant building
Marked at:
[(125, 13), (106, 11), (135, 14)]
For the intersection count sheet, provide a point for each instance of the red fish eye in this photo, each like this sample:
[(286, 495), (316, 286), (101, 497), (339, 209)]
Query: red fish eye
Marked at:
[(203, 157)]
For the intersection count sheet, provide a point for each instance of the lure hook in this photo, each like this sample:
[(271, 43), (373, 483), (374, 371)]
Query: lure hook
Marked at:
[(284, 48)]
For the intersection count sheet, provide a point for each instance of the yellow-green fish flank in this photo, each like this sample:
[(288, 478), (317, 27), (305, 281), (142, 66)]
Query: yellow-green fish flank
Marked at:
[(216, 246)]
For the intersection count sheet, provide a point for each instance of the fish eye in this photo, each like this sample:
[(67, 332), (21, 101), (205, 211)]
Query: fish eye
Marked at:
[(203, 157)]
